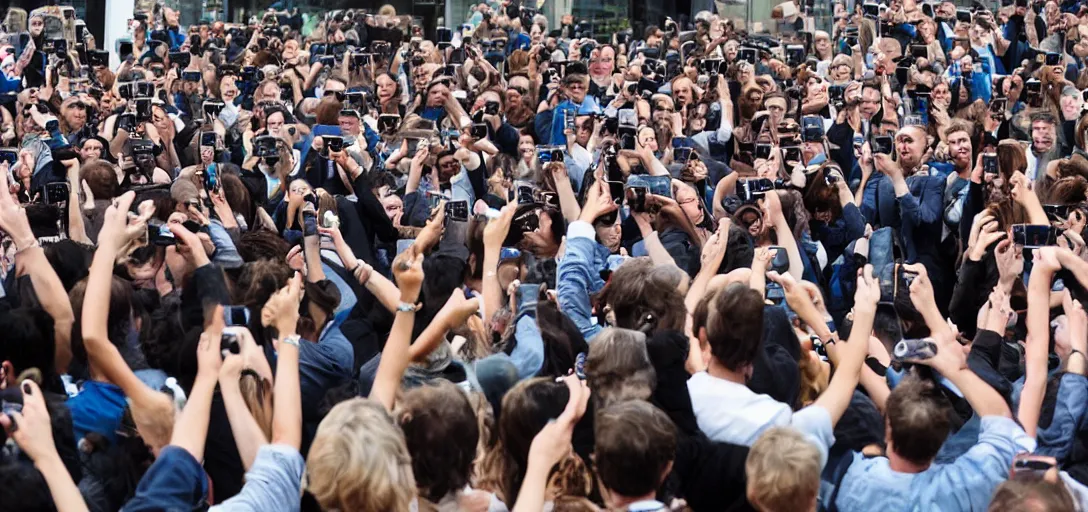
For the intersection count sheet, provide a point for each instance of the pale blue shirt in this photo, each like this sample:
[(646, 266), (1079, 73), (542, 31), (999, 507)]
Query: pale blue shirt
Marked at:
[(966, 484)]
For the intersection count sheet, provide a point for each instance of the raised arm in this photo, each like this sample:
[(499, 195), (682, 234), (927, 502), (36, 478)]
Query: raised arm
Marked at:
[(30, 260), (772, 209), (494, 234), (281, 310), (568, 200), (1036, 346), (117, 230), (454, 314), (33, 432), (248, 436), (383, 289), (850, 359), (408, 269), (191, 429)]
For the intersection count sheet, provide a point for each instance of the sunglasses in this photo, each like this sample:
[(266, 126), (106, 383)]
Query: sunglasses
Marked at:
[(339, 95)]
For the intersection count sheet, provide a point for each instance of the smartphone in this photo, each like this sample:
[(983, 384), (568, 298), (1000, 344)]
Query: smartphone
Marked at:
[(989, 163), (524, 194), (763, 151), (180, 59), (208, 139), (191, 76), (882, 144), (212, 108), (1033, 236), (143, 109), (491, 108), (236, 316), (1030, 466), (309, 222), (636, 198), (404, 243), (333, 144), (792, 154), (919, 51), (388, 122), (229, 341), (211, 178), (159, 234), (124, 49), (656, 185), (548, 154), (781, 261), (98, 58), (1056, 212), (457, 211), (681, 155), (751, 190), (56, 193), (1053, 59), (9, 155), (915, 349)]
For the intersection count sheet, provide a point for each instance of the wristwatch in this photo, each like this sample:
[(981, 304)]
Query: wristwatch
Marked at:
[(405, 307), (291, 339)]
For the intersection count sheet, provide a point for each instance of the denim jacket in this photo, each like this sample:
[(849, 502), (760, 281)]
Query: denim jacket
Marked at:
[(579, 276)]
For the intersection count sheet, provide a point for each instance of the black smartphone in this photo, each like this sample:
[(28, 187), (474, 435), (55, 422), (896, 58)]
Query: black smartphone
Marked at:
[(159, 234), (56, 193), (781, 261), (919, 51), (264, 146), (98, 58), (457, 211), (212, 108), (333, 144), (208, 139), (143, 109), (636, 198), (882, 144), (124, 49), (388, 122), (180, 59), (1056, 212), (191, 76), (1033, 236), (751, 190), (763, 151), (989, 163), (9, 155), (236, 316)]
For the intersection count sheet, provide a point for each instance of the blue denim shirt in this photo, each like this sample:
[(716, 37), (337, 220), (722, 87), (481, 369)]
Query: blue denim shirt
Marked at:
[(323, 365), (579, 275), (966, 484), (1057, 438)]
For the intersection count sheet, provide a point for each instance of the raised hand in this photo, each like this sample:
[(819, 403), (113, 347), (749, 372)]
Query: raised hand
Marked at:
[(31, 428), (281, 309)]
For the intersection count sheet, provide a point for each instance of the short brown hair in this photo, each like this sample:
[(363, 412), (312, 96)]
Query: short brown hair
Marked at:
[(1032, 495), (101, 178), (733, 319), (918, 416), (618, 367), (328, 111), (961, 125), (783, 471), (642, 298), (441, 432), (636, 443)]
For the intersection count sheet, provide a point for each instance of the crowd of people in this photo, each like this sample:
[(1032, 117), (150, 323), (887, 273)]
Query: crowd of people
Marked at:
[(347, 263)]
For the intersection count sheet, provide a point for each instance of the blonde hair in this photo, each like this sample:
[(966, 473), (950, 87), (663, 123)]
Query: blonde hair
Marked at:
[(359, 461), (783, 471)]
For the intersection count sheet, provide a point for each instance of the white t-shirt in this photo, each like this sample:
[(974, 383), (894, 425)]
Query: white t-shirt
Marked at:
[(731, 413)]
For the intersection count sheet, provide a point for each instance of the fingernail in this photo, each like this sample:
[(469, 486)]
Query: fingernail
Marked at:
[(27, 389)]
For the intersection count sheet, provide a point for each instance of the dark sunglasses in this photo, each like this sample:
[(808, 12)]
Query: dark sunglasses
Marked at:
[(339, 95)]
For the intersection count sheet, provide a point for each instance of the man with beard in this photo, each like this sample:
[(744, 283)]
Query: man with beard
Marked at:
[(1044, 146)]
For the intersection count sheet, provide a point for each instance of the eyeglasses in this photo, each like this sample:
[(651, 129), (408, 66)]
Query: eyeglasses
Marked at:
[(339, 95)]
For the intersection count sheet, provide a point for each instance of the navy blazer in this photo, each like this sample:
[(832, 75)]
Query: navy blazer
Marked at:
[(916, 217)]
